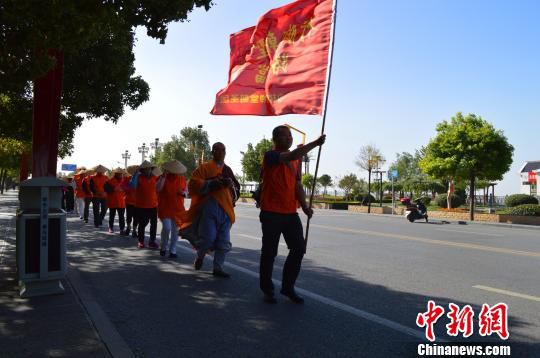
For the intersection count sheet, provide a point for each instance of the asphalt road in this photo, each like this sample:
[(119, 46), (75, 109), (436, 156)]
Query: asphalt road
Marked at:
[(365, 279)]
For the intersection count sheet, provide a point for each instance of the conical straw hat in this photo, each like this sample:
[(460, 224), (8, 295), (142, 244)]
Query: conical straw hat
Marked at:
[(132, 169), (100, 169), (156, 171), (146, 164), (118, 170), (174, 167)]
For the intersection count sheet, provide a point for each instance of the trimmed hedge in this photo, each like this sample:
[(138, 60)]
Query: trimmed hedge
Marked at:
[(520, 199), (525, 210), (457, 201)]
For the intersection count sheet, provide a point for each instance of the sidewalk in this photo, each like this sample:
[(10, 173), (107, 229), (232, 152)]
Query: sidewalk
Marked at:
[(49, 326)]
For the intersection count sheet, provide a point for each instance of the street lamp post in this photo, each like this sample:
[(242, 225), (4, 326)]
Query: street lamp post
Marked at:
[(155, 146), (143, 150), (126, 156), (198, 159), (243, 185)]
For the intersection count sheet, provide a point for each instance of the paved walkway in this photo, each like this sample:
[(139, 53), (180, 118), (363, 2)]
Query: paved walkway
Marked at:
[(50, 326)]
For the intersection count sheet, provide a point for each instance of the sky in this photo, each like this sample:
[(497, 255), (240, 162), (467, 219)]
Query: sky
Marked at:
[(399, 68)]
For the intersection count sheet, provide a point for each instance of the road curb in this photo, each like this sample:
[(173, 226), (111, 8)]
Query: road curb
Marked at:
[(105, 329), (461, 222)]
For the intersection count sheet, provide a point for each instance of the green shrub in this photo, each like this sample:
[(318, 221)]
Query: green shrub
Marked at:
[(525, 210), (426, 201), (519, 199), (339, 206), (363, 198), (457, 201)]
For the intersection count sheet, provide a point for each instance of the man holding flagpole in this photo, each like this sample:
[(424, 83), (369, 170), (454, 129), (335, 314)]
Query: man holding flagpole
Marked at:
[(280, 193), (280, 66)]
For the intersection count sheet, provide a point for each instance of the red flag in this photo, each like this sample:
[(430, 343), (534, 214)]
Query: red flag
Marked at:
[(279, 66)]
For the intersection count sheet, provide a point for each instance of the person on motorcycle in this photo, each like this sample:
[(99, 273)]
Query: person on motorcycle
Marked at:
[(421, 208)]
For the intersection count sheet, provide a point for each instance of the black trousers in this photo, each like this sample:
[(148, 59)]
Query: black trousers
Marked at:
[(145, 215), (70, 199), (131, 215), (99, 206), (121, 220), (273, 226), (87, 202)]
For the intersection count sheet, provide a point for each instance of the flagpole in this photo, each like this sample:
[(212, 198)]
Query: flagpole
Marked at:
[(327, 90)]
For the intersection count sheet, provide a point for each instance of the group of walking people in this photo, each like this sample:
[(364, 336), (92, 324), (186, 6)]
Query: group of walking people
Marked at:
[(147, 193), (139, 195)]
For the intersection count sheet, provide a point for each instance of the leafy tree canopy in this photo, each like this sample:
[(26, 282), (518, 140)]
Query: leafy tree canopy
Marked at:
[(10, 152), (347, 183), (191, 145), (325, 181), (97, 41), (253, 157), (307, 181), (467, 148)]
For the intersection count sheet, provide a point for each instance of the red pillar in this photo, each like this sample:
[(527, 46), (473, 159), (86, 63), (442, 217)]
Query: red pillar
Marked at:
[(24, 166), (46, 118)]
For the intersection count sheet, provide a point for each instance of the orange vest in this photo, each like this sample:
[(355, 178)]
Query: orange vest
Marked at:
[(87, 194), (117, 198), (145, 192), (99, 181), (130, 192), (79, 193), (170, 200), (278, 192)]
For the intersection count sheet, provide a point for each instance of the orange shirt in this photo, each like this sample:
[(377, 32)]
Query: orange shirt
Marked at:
[(278, 192), (87, 194), (99, 181), (79, 193), (145, 192), (170, 198), (223, 196), (130, 192), (117, 198)]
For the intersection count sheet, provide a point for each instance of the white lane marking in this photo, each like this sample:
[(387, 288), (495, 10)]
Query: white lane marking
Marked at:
[(508, 293), (470, 232), (256, 238), (341, 306)]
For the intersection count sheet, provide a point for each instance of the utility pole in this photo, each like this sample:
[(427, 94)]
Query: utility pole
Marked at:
[(126, 156), (143, 150), (198, 159), (155, 146)]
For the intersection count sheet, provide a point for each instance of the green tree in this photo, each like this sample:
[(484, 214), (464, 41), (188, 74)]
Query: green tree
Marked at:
[(325, 181), (359, 189), (369, 158), (468, 148), (252, 159), (189, 147), (10, 152), (307, 181), (347, 183), (97, 41)]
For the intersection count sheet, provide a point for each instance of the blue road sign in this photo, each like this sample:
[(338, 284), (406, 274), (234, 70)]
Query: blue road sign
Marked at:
[(392, 174), (69, 167)]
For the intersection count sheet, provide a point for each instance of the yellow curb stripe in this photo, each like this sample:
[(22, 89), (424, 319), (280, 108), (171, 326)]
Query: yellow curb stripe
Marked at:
[(508, 293)]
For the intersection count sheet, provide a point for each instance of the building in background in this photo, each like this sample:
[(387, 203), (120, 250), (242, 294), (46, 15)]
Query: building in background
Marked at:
[(529, 178)]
